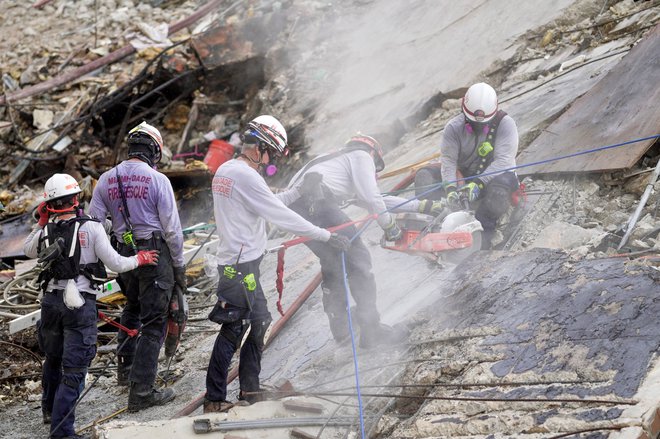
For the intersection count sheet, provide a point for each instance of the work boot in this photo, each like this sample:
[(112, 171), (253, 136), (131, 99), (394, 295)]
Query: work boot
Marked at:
[(142, 396), (46, 416), (124, 363), (216, 406), (338, 326), (487, 239), (382, 335), (251, 397)]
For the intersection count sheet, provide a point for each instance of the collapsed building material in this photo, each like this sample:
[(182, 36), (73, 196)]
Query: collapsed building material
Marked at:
[(642, 202), (620, 96), (110, 58)]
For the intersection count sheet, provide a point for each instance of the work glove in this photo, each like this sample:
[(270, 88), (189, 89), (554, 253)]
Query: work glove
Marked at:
[(430, 207), (42, 213), (340, 242), (147, 257), (453, 198), (392, 231), (180, 278), (472, 190)]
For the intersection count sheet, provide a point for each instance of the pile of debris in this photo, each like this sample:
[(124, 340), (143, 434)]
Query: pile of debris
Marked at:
[(216, 66)]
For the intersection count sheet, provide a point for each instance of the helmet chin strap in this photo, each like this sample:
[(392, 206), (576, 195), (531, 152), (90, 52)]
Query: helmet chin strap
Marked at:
[(260, 165)]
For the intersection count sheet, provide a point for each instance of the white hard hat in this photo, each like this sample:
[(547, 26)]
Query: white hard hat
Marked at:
[(60, 186), (145, 142), (480, 103), (266, 130)]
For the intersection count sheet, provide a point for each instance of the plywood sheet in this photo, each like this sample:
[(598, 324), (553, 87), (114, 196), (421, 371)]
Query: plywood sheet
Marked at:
[(623, 106)]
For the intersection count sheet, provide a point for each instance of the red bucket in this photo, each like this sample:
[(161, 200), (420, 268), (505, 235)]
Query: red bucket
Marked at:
[(218, 153)]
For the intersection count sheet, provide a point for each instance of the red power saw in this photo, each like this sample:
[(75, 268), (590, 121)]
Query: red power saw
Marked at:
[(449, 237)]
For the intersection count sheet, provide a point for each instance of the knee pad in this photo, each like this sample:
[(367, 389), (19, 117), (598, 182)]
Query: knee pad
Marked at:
[(260, 332), (497, 200), (73, 377), (333, 302)]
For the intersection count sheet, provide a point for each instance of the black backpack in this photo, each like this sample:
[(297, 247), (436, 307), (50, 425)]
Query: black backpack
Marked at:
[(65, 257)]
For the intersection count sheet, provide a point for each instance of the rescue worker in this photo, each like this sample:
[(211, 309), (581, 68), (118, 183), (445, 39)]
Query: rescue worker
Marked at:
[(141, 204), (242, 204), (480, 142), (350, 173), (67, 329)]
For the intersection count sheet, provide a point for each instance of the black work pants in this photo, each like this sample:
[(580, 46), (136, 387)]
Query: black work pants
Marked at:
[(68, 338), (148, 290), (494, 201), (361, 280), (229, 339)]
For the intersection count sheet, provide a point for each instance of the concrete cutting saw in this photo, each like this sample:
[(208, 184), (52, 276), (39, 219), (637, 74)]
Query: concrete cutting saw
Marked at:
[(449, 237)]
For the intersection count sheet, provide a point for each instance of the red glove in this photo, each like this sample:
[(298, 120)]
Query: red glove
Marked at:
[(147, 257), (43, 215)]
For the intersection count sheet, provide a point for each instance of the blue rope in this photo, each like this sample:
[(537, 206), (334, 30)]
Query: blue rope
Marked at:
[(347, 290), (432, 188), (355, 360), (513, 168)]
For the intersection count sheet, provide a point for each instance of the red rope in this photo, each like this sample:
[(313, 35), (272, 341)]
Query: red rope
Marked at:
[(279, 281)]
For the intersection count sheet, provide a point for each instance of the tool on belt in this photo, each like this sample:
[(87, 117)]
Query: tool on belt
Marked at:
[(176, 321)]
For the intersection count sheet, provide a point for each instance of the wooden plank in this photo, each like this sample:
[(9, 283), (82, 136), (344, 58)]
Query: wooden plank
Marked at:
[(621, 107)]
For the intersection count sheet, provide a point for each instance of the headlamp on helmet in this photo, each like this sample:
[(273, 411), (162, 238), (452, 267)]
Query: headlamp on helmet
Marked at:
[(479, 103)]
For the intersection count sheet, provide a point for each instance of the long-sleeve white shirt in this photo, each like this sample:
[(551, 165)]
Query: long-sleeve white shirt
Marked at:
[(94, 245), (242, 203), (353, 175)]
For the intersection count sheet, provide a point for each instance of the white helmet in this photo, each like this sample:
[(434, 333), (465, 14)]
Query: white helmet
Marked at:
[(60, 186), (266, 131), (480, 103), (145, 142)]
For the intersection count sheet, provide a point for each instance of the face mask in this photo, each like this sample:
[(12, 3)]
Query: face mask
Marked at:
[(471, 127)]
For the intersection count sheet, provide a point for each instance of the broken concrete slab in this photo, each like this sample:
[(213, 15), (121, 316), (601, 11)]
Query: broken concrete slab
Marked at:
[(557, 329), (562, 235), (620, 108)]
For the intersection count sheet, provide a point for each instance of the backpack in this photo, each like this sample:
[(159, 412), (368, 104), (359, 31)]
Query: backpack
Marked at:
[(66, 263)]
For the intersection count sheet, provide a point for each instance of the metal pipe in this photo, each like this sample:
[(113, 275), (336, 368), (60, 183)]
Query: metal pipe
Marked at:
[(278, 423), (642, 202)]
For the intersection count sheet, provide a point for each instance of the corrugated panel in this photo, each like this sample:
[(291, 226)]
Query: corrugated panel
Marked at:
[(623, 106)]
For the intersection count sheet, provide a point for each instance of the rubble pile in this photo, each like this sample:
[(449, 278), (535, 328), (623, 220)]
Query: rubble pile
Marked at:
[(201, 83)]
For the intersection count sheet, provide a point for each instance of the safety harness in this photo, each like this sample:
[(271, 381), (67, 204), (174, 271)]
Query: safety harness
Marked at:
[(66, 265), (483, 154)]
